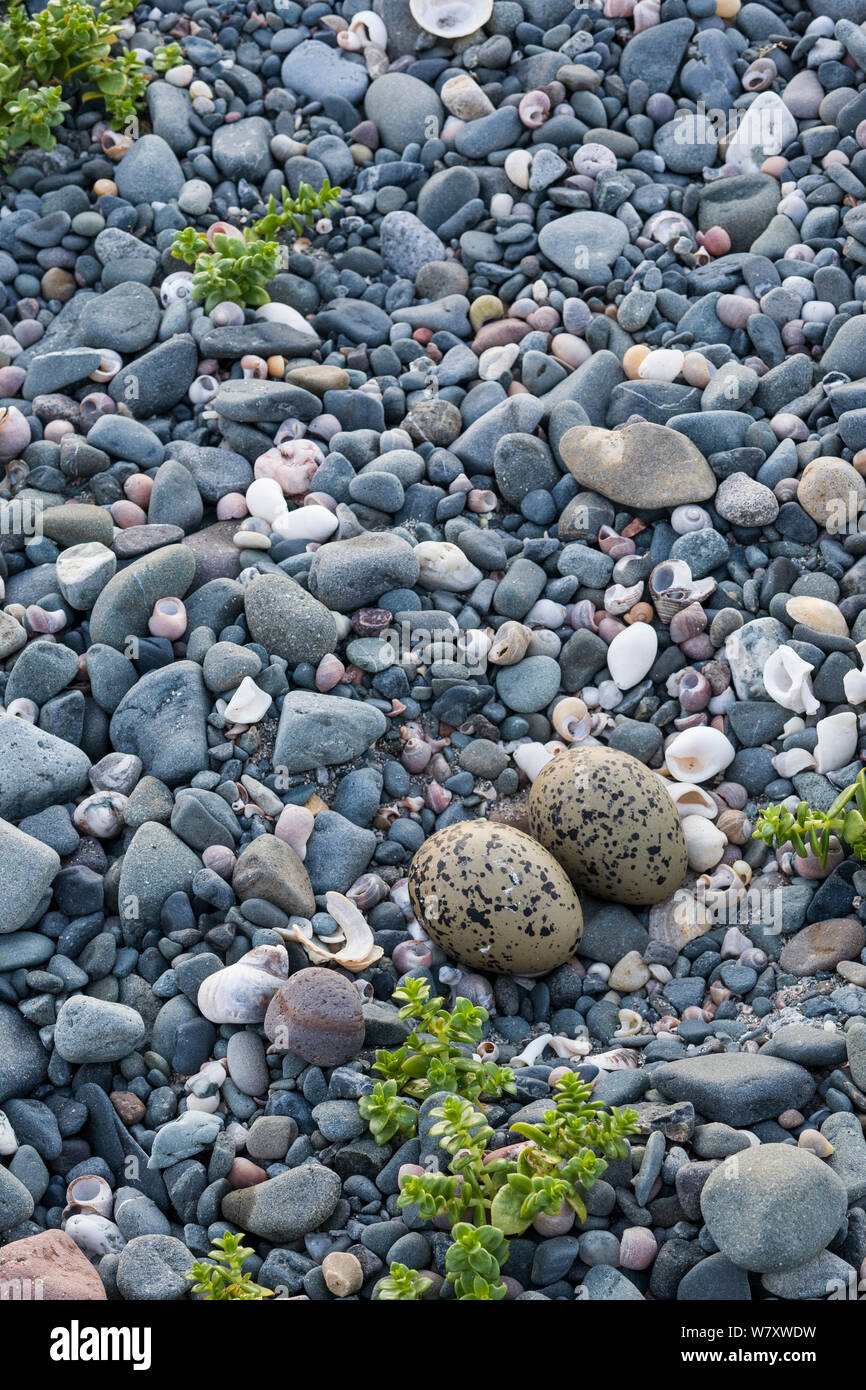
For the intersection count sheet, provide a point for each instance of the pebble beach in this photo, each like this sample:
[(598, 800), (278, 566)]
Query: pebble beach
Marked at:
[(433, 687)]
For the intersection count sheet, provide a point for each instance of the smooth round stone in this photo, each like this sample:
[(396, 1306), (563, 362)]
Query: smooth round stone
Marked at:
[(93, 1030), (822, 945), (248, 1068), (402, 107), (831, 491), (807, 1201), (530, 685)]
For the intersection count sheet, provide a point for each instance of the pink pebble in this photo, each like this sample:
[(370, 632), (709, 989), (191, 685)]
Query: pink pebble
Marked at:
[(56, 429), (138, 488), (11, 380), (232, 507), (125, 514)]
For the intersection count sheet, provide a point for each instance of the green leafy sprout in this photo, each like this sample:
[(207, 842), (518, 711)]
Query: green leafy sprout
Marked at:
[(809, 831), (167, 56), (438, 1053), (238, 268), (221, 1275), (402, 1285), (486, 1198), (68, 49)]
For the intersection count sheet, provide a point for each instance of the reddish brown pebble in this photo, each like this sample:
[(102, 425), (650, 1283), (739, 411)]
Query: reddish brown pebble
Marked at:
[(317, 1015), (49, 1267), (243, 1173), (128, 1106)]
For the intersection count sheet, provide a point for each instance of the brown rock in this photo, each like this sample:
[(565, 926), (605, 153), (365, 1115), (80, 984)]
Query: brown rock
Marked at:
[(269, 868), (317, 1015), (49, 1266), (822, 945), (216, 556), (639, 464), (319, 379), (128, 1106)]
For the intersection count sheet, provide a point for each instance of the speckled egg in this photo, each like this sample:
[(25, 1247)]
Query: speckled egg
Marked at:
[(492, 898), (610, 823)]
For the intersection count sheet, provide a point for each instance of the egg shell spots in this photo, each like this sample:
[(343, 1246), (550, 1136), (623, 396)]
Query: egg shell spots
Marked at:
[(492, 898), (611, 825)]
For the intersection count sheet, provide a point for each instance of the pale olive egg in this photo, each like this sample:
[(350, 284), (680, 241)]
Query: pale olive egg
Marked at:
[(494, 899), (610, 823)]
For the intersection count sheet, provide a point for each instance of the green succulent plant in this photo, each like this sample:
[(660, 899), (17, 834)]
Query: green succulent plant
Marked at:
[(809, 831), (487, 1197), (402, 1285), (298, 212), (167, 56), (386, 1113), (69, 48), (221, 1275), (436, 1055), (238, 268)]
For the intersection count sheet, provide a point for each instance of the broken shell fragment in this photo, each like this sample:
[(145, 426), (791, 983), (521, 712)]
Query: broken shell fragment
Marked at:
[(697, 754)]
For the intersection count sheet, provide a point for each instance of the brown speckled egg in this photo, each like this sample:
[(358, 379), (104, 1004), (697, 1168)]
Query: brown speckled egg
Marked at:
[(492, 898), (610, 823)]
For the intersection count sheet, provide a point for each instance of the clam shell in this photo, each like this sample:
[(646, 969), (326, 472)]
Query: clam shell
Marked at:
[(241, 993)]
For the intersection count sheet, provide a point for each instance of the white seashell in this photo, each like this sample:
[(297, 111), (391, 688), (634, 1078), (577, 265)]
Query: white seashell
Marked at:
[(248, 704), (110, 363), (837, 741), (854, 685), (8, 1142), (284, 313), (698, 754), (569, 1047), (571, 719), (241, 993), (532, 1051), (630, 1025), (792, 761), (631, 654), (766, 128), (313, 523), (95, 1235), (546, 613), (444, 566), (787, 680), (705, 843), (266, 499), (376, 31), (689, 799), (89, 1193), (619, 599), (451, 19), (356, 949), (531, 758), (176, 286)]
